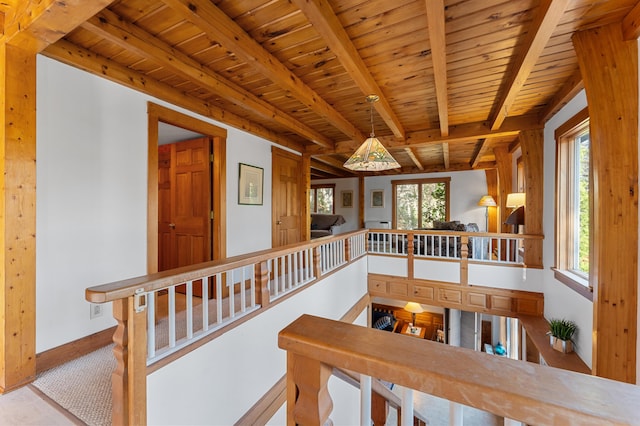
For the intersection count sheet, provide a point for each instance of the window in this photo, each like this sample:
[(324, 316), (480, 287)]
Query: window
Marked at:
[(573, 193), (322, 198), (418, 203)]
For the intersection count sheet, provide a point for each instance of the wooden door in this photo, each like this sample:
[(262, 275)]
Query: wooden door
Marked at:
[(184, 205), (286, 198)]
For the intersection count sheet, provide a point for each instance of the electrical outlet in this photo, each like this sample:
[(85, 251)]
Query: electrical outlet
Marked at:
[(96, 310)]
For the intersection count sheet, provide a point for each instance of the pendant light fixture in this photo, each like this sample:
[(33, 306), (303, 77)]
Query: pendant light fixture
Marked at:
[(372, 156)]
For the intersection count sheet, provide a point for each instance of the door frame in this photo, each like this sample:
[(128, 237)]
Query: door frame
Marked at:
[(156, 114)]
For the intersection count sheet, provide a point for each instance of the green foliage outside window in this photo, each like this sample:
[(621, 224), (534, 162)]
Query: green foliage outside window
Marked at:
[(418, 205), (582, 263)]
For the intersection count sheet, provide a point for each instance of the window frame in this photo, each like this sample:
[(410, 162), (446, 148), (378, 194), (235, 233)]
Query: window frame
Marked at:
[(420, 182), (313, 207), (565, 191)]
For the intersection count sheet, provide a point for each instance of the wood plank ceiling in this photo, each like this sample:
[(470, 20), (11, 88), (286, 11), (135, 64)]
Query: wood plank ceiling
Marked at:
[(456, 78)]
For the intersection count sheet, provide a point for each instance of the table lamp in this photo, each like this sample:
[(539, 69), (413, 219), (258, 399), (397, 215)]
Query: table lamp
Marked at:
[(414, 308)]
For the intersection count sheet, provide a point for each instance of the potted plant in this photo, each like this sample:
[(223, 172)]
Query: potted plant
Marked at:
[(561, 331)]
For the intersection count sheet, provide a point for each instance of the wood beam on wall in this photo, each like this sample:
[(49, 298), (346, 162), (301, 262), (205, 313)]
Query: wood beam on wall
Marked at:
[(503, 162), (609, 67), (532, 143)]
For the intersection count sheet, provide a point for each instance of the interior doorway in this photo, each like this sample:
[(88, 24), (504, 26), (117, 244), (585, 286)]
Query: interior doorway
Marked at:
[(187, 223)]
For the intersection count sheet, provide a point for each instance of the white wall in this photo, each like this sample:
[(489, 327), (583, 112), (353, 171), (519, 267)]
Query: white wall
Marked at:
[(91, 195), (350, 214), (466, 190), (559, 300), (219, 382)]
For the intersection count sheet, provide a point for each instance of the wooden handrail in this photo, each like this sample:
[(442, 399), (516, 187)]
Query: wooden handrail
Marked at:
[(513, 389), (151, 282)]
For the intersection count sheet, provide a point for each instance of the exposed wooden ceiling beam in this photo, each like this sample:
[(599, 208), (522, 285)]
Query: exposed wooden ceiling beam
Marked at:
[(445, 154), (322, 167), (457, 167), (550, 12), (568, 91), (435, 21), (133, 38), (475, 160), (338, 163), (631, 24), (413, 157), (35, 25), (327, 24), (460, 133), (75, 56), (215, 23)]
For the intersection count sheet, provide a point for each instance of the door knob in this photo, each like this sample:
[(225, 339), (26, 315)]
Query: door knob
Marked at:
[(278, 222), (172, 225)]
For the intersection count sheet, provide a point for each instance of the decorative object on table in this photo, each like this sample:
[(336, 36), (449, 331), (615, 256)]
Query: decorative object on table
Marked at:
[(250, 184), (347, 198), (500, 350), (414, 308), (561, 331), (487, 201), (372, 155)]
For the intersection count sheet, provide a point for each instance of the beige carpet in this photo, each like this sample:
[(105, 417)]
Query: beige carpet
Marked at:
[(82, 386)]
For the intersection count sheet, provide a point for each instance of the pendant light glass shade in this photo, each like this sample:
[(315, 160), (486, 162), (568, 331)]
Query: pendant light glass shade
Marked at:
[(372, 156)]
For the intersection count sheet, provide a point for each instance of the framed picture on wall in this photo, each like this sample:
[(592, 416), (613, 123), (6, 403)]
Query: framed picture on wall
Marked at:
[(377, 198), (347, 198), (250, 185)]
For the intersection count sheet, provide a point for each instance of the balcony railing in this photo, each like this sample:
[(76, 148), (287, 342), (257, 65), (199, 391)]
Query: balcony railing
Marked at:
[(517, 390), (228, 291)]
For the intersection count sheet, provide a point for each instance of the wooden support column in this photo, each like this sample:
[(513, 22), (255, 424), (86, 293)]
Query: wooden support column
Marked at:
[(17, 216), (129, 379), (262, 283), (305, 222), (532, 143), (609, 67), (503, 160)]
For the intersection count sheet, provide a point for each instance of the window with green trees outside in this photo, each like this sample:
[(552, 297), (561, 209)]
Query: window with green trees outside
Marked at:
[(418, 203)]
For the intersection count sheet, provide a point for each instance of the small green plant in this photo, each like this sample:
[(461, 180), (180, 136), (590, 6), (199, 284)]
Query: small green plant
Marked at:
[(562, 329)]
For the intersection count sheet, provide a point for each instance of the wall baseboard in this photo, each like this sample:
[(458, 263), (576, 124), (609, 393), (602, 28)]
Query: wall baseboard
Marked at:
[(72, 350)]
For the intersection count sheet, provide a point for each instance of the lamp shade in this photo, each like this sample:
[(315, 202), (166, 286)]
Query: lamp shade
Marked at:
[(516, 199), (487, 201), (414, 308), (371, 156)]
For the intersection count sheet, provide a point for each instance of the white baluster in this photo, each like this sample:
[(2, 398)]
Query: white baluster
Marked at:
[(407, 406), (365, 400), (151, 320), (189, 318)]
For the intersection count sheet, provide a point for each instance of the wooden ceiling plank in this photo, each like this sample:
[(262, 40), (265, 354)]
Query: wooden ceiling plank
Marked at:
[(85, 60), (38, 24), (631, 24), (435, 22), (131, 37), (322, 167), (326, 23), (219, 26), (549, 15)]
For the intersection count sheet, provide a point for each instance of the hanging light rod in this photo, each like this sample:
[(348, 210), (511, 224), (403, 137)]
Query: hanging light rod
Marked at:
[(372, 156)]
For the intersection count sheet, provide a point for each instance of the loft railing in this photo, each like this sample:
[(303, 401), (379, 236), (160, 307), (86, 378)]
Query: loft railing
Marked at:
[(228, 291), (516, 390)]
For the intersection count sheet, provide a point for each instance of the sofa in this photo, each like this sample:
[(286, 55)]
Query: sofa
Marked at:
[(447, 246), (323, 225)]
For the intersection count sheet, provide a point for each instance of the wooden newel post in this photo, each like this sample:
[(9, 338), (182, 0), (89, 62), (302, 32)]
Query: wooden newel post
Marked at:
[(129, 379), (347, 249), (262, 283), (316, 262), (308, 399), (464, 259)]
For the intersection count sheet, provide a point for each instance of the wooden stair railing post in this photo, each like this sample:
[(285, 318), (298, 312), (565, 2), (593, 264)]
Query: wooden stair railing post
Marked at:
[(379, 409), (262, 283), (316, 262), (347, 250), (129, 379), (410, 257), (464, 260), (308, 399)]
